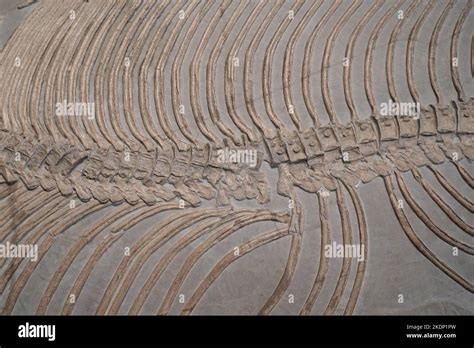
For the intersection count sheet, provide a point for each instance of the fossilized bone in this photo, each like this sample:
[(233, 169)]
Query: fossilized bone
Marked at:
[(141, 156)]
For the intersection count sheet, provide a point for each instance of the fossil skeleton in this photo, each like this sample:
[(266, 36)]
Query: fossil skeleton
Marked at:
[(141, 154)]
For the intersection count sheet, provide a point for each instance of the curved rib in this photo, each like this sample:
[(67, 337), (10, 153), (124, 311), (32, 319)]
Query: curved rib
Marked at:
[(221, 234), (31, 210), (211, 72), (176, 75), (267, 68), (118, 19), (369, 90), (27, 77), (360, 272), (171, 253), (391, 50), (327, 56), (133, 53), (28, 225), (8, 74), (411, 50), (418, 243), (464, 174), (306, 69), (428, 222), (115, 233), (82, 62), (159, 80), (454, 50), (288, 63), (285, 279), (143, 75), (346, 262), (195, 75), (53, 93), (64, 76), (76, 248), (37, 231), (464, 201), (70, 219), (323, 261), (143, 246), (432, 52), (349, 54), (229, 74), (142, 255), (230, 257), (444, 207), (248, 68), (38, 78), (133, 21)]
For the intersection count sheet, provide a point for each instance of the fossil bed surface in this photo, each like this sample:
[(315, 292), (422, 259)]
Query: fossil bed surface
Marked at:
[(394, 266)]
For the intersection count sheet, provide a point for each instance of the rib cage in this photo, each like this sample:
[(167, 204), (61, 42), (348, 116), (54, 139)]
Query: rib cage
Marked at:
[(173, 83)]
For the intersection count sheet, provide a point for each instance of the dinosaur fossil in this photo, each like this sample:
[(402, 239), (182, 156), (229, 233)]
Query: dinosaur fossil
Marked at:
[(173, 83)]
